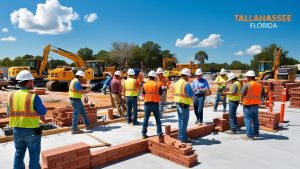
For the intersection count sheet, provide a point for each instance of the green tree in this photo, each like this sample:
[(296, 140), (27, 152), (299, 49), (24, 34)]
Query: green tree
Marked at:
[(56, 62), (7, 62), (237, 65), (151, 52), (104, 55), (85, 53), (201, 56)]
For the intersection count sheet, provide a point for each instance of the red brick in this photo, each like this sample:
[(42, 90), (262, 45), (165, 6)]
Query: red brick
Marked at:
[(167, 129)]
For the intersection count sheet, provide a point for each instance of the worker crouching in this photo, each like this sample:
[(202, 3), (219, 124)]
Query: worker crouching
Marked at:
[(75, 93), (152, 91)]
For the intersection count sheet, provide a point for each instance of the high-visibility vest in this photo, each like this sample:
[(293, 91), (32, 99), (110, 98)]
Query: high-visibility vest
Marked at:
[(130, 88), (164, 81), (152, 91), (222, 79), (253, 94), (21, 110), (180, 95), (72, 92), (237, 95)]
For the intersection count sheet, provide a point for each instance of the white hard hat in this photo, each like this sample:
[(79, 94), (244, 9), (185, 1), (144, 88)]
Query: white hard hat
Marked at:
[(250, 73), (223, 71), (159, 70), (186, 71), (231, 76), (24, 75), (131, 72), (118, 73), (152, 74), (198, 72), (80, 73)]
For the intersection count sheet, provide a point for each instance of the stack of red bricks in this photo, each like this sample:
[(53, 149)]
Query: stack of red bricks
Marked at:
[(277, 91), (39, 91), (63, 116), (172, 149), (75, 156), (268, 120), (110, 155), (222, 124), (295, 97), (200, 131)]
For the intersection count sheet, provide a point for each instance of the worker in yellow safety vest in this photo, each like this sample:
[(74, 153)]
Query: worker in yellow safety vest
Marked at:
[(234, 97), (25, 110), (183, 97), (75, 94), (251, 94), (131, 88), (220, 81)]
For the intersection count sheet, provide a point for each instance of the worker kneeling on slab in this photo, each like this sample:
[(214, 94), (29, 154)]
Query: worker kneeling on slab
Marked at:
[(152, 91), (75, 93), (234, 97), (25, 110), (183, 98)]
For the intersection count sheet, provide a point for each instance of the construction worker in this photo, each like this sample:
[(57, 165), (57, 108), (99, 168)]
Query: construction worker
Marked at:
[(234, 97), (116, 91), (151, 91), (106, 83), (251, 94), (220, 81), (131, 88), (199, 86), (25, 110), (165, 83), (183, 98), (75, 93)]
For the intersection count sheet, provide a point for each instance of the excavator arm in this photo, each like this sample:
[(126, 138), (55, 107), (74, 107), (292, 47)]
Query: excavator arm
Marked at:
[(79, 62), (277, 59), (44, 59)]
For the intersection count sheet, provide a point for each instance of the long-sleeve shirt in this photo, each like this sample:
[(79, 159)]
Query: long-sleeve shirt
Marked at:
[(188, 90), (116, 86), (107, 81), (200, 84)]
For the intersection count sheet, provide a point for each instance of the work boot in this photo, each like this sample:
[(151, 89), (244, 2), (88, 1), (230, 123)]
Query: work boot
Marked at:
[(90, 127), (248, 138), (196, 122), (230, 132), (135, 123), (77, 131), (200, 124), (145, 136)]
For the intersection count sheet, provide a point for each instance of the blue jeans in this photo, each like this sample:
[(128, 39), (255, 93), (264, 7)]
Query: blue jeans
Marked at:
[(148, 109), (251, 115), (162, 101), (233, 105), (27, 138), (198, 107), (218, 98), (183, 119), (131, 103), (78, 108)]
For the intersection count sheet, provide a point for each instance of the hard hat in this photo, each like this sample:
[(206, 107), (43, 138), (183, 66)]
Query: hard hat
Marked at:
[(231, 76), (118, 73), (80, 73), (159, 70), (250, 73), (166, 73), (186, 71), (198, 72), (131, 72), (152, 74), (24, 75), (223, 71)]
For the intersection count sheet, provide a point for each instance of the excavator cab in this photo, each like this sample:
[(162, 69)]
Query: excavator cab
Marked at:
[(97, 66), (265, 70)]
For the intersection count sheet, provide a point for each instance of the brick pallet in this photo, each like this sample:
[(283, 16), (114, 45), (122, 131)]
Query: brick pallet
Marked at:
[(278, 89), (295, 97), (268, 120), (222, 124)]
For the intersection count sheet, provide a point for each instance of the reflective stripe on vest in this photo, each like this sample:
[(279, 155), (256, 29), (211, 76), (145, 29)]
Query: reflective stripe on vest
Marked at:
[(237, 95), (72, 92), (130, 88), (21, 110), (152, 91), (253, 94), (180, 93)]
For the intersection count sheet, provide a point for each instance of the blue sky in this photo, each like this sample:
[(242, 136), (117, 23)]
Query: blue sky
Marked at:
[(137, 21)]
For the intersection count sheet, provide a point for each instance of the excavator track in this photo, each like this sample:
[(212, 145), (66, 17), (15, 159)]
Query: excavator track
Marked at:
[(57, 86)]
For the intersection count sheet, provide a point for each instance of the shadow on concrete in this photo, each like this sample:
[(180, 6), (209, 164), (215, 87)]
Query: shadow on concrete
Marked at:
[(203, 141), (265, 136), (168, 120), (105, 128), (168, 116)]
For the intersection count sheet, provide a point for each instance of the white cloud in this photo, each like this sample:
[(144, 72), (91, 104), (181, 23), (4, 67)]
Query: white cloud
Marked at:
[(8, 39), (91, 17), (4, 30), (252, 50), (49, 18), (189, 41)]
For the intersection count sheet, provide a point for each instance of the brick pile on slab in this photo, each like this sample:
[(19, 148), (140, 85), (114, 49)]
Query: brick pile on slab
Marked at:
[(295, 97), (39, 91), (110, 155), (74, 156), (277, 91), (194, 132), (268, 120), (222, 124), (63, 116), (173, 150)]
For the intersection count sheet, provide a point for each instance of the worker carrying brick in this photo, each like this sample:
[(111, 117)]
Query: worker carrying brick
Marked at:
[(234, 97), (200, 87), (116, 91), (183, 97), (25, 110), (251, 94), (75, 93), (131, 88), (165, 83), (220, 81), (152, 91)]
